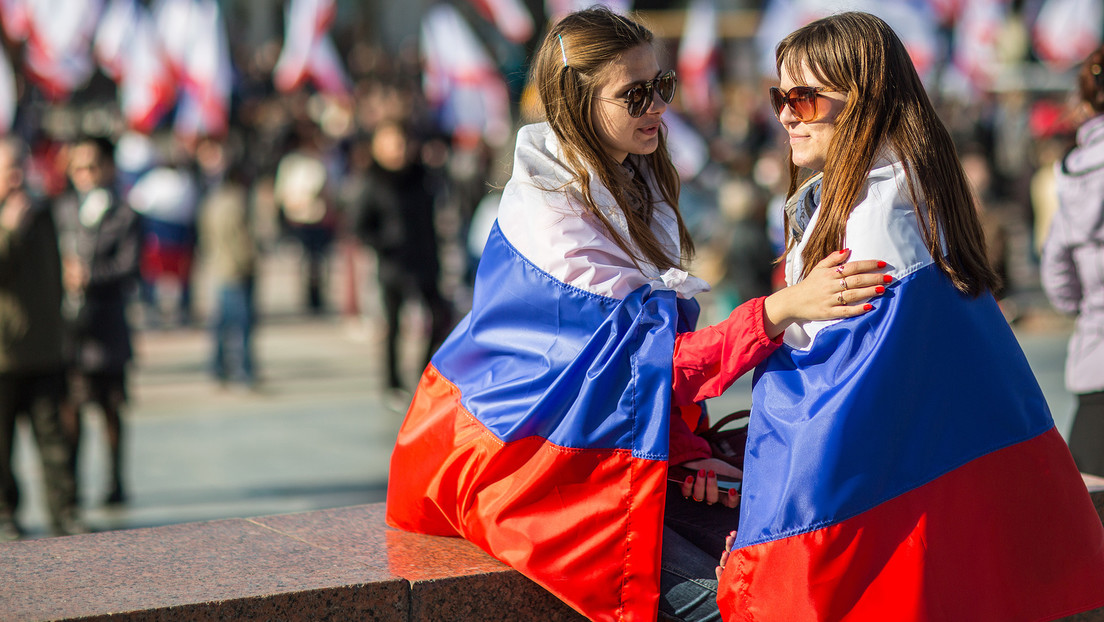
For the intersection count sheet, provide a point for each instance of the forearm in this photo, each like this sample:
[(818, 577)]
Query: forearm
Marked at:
[(708, 361)]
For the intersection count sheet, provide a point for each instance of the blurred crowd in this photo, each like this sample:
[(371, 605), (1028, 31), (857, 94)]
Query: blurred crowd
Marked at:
[(382, 167)]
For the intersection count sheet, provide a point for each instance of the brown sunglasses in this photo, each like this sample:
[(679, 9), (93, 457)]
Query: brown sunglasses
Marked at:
[(804, 102), (639, 98)]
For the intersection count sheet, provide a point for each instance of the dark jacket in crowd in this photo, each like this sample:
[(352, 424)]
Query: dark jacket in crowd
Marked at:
[(31, 296), (396, 219), (108, 241)]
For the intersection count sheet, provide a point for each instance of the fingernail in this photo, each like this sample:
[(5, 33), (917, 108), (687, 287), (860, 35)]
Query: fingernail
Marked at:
[(881, 264), (712, 474), (867, 307), (689, 479), (886, 278), (879, 289), (701, 472), (732, 493), (844, 251)]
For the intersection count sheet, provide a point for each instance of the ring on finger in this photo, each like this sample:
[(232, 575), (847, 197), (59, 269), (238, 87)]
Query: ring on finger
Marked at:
[(843, 283), (839, 268), (699, 500), (840, 298)]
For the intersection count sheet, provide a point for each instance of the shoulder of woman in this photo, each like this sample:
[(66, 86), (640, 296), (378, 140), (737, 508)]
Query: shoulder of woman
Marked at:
[(1087, 158), (883, 225)]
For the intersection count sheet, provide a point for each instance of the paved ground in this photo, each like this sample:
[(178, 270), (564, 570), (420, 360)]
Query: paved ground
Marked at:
[(319, 432)]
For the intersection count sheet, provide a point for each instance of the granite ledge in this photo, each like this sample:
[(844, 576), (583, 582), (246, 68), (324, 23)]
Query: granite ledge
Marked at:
[(338, 564)]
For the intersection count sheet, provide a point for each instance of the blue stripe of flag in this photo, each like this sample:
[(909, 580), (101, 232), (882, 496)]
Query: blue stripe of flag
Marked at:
[(845, 425), (537, 357)]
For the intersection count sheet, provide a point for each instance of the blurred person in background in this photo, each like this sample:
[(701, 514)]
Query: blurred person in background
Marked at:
[(32, 365), (303, 193), (100, 238), (230, 252), (1072, 267), (396, 219), (166, 197)]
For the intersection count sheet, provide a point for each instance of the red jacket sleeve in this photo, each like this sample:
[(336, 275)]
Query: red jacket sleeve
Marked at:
[(684, 444), (708, 361)]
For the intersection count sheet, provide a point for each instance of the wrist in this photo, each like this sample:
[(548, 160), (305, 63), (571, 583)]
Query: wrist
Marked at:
[(777, 315)]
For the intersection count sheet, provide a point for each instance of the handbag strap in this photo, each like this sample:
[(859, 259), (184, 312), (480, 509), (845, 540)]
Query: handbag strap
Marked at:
[(729, 418)]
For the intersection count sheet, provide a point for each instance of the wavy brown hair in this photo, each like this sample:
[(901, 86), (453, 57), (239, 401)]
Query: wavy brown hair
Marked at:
[(887, 108), (592, 40)]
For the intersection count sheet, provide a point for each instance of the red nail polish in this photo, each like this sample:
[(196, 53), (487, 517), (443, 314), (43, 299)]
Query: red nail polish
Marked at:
[(712, 474), (879, 289), (886, 278), (844, 251), (732, 493), (881, 264), (689, 479), (701, 472)]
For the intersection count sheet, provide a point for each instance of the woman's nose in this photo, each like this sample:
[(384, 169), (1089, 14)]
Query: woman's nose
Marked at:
[(657, 105)]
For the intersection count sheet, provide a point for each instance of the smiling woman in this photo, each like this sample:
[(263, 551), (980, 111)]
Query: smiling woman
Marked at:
[(858, 503), (543, 428)]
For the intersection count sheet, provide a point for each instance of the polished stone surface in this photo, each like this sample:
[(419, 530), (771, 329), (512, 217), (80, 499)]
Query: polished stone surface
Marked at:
[(228, 569), (336, 564)]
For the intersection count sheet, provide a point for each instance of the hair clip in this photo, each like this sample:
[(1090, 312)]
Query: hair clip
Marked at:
[(562, 50)]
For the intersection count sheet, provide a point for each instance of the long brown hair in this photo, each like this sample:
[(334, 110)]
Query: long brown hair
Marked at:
[(887, 107), (568, 77)]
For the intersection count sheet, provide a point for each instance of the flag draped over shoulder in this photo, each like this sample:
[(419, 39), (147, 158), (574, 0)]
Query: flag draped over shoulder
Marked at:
[(540, 429), (903, 465)]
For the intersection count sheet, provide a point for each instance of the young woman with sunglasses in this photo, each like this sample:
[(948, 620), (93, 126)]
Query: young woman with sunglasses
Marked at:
[(900, 465), (543, 428)]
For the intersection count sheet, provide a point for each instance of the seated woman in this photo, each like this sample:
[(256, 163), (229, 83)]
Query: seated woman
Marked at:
[(543, 427), (901, 465)]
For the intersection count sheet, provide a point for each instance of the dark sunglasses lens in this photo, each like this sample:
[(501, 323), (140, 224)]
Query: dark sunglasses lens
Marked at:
[(666, 87), (637, 97), (803, 101), (777, 100)]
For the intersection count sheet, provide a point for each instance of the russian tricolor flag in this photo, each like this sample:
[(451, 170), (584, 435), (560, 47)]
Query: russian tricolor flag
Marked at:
[(540, 429), (903, 465)]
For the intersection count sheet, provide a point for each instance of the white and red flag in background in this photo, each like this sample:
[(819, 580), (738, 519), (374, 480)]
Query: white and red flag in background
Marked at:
[(511, 17), (58, 35), (698, 60), (193, 35), (129, 52), (461, 80), (976, 38), (16, 18), (1067, 31), (309, 53)]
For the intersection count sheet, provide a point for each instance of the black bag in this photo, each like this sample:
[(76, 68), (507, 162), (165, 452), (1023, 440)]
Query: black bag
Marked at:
[(728, 437)]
